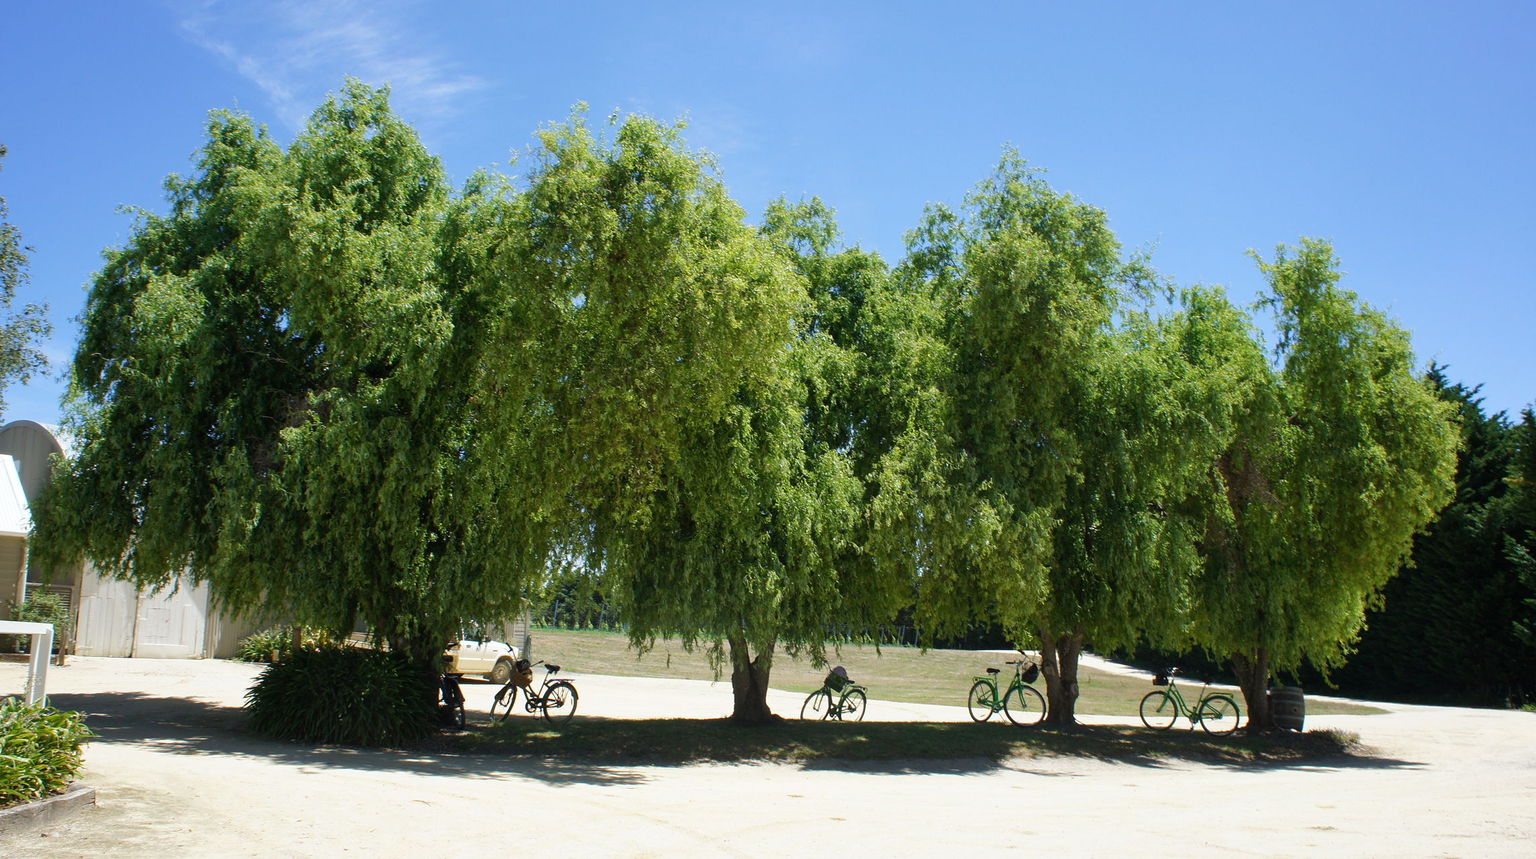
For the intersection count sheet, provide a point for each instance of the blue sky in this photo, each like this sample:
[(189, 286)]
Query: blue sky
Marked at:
[(1402, 132)]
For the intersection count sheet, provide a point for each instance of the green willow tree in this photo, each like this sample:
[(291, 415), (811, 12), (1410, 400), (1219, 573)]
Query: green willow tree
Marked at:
[(20, 331), (1159, 405), (652, 354), (268, 394), (1335, 467), (992, 332)]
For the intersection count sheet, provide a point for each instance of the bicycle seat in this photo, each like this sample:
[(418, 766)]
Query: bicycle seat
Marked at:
[(992, 670), (551, 668)]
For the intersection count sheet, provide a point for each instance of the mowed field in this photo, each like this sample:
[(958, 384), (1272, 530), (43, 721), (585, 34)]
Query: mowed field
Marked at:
[(906, 674)]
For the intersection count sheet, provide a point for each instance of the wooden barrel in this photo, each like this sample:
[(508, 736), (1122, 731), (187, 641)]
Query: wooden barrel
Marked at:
[(1288, 707)]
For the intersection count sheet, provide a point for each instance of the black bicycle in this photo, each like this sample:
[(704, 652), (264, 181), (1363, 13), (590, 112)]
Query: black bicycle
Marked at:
[(556, 699)]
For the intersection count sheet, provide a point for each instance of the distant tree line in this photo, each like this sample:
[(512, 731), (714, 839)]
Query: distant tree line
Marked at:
[(331, 385), (1458, 624)]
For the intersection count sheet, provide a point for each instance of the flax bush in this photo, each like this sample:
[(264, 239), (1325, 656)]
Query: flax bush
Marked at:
[(40, 750), (342, 696)]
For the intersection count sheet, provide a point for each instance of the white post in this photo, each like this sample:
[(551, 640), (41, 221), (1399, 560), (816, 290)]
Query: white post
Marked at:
[(42, 649)]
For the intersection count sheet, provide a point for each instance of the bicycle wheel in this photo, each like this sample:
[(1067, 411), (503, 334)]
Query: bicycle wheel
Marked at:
[(818, 705), (982, 702), (1024, 706), (559, 702), (1159, 711), (1219, 714), (851, 708), (501, 705)]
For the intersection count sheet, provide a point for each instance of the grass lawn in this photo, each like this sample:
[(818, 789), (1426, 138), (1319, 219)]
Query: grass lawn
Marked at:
[(890, 673)]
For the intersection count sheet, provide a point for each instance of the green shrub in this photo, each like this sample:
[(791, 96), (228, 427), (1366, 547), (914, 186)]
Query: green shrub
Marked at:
[(271, 645), (342, 696), (41, 607), (40, 750)]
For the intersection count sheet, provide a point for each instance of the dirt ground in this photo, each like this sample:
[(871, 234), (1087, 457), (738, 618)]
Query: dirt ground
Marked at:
[(177, 776)]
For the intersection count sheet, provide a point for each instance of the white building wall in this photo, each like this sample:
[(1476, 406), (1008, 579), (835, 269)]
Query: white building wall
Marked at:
[(108, 614)]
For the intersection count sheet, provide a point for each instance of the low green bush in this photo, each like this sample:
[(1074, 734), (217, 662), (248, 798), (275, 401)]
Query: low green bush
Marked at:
[(341, 696), (271, 645), (40, 750), (39, 607)]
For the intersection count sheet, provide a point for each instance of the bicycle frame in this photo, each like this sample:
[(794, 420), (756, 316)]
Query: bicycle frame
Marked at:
[(837, 702), (997, 700), (532, 702), (564, 706), (1196, 714), (1180, 706), (987, 697), (839, 706), (1016, 683)]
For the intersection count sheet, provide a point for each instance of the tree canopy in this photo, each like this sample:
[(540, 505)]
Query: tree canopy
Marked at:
[(1333, 471), (260, 390), (20, 330), (338, 390)]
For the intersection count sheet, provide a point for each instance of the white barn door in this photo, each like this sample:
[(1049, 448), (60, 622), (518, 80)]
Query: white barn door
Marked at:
[(172, 625)]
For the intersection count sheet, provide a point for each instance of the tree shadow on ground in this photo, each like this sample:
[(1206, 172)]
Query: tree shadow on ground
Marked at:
[(916, 747), (187, 726), (608, 751)]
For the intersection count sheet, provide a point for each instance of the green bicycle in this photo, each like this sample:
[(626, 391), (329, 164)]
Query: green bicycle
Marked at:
[(1021, 702), (1216, 712), (838, 698)]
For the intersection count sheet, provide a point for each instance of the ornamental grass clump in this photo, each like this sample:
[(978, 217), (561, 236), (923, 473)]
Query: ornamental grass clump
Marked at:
[(40, 750), (341, 696)]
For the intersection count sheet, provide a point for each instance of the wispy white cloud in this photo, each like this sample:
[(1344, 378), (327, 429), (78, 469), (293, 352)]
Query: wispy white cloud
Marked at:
[(298, 50)]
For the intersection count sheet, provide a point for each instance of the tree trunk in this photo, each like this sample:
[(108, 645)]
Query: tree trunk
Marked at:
[(1253, 678), (424, 652), (1058, 662), (749, 683)]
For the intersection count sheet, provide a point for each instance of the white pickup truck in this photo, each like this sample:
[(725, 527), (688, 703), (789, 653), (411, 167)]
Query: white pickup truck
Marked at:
[(481, 656)]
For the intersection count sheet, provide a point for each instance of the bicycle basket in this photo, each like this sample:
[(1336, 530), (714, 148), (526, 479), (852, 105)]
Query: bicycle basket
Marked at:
[(837, 678), (1161, 679), (1031, 674), (522, 673)]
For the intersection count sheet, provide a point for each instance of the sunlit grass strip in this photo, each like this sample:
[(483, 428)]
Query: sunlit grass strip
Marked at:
[(890, 673)]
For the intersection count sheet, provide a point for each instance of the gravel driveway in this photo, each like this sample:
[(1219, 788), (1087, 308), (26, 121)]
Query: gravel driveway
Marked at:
[(176, 777)]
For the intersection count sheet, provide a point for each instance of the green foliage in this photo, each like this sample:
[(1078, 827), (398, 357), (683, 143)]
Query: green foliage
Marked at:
[(269, 645), (1517, 512), (1449, 626), (276, 643), (343, 696), (988, 334), (271, 389), (44, 607), (666, 388), (330, 386), (1158, 405), (20, 331), (40, 750), (1338, 462)]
